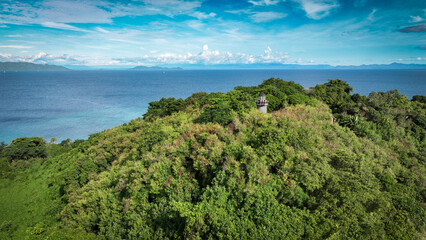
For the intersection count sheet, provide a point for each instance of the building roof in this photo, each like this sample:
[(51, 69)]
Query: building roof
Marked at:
[(261, 94)]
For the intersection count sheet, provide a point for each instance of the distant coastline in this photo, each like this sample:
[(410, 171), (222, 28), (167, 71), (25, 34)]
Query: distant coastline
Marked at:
[(155, 68), (25, 66)]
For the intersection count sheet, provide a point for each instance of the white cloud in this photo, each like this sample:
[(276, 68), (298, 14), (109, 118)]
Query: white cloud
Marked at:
[(124, 41), (239, 11), (15, 46), (195, 24), (79, 11), (22, 12), (169, 7), (93, 11), (14, 36), (5, 55), (207, 57), (264, 2), (201, 15), (43, 58), (179, 5), (62, 26), (99, 29), (317, 9), (267, 16), (371, 15), (410, 59), (415, 19)]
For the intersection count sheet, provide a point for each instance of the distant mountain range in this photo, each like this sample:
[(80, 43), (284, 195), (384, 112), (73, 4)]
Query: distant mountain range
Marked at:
[(25, 66), (385, 66), (155, 68), (272, 66)]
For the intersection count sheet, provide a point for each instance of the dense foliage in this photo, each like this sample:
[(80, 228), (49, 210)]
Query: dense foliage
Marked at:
[(212, 166)]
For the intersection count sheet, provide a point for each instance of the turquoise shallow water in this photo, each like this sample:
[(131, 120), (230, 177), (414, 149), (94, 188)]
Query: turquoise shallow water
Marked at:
[(75, 104)]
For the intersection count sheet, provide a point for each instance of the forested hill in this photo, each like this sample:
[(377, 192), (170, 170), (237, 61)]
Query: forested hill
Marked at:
[(25, 66), (213, 167)]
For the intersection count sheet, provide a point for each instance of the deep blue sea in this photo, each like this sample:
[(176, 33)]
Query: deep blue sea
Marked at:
[(74, 104)]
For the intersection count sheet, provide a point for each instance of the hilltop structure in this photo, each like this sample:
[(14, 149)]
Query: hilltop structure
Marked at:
[(262, 103)]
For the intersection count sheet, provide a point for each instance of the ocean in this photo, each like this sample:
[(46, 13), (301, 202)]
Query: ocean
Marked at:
[(74, 104)]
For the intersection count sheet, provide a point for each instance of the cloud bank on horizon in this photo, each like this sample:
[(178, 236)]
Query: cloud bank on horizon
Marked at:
[(206, 32)]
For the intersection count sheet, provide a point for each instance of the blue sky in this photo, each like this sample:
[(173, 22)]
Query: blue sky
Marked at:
[(179, 32)]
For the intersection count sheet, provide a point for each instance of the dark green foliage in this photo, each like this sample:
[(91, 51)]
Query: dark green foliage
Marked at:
[(288, 88), (298, 98), (2, 146), (281, 93), (419, 98), (220, 112), (5, 168), (359, 125), (66, 142), (221, 108), (77, 142), (196, 99), (380, 116), (164, 107), (25, 148), (335, 93)]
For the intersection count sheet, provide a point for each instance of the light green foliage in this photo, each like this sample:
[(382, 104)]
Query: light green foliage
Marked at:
[(26, 204), (219, 169)]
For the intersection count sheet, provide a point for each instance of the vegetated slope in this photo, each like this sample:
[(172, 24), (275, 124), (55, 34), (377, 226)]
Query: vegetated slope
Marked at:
[(212, 166), (25, 66)]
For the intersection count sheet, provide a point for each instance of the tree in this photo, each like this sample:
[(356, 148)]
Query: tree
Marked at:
[(66, 142), (219, 112), (336, 93), (25, 148), (2, 146), (196, 99), (419, 98), (164, 107)]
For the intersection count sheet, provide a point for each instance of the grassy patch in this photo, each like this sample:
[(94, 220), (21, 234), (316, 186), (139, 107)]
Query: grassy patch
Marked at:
[(25, 204)]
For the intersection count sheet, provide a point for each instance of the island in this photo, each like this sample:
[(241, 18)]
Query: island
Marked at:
[(154, 68), (273, 161), (26, 66)]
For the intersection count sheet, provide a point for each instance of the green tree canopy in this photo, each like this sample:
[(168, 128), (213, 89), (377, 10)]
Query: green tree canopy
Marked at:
[(25, 148)]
